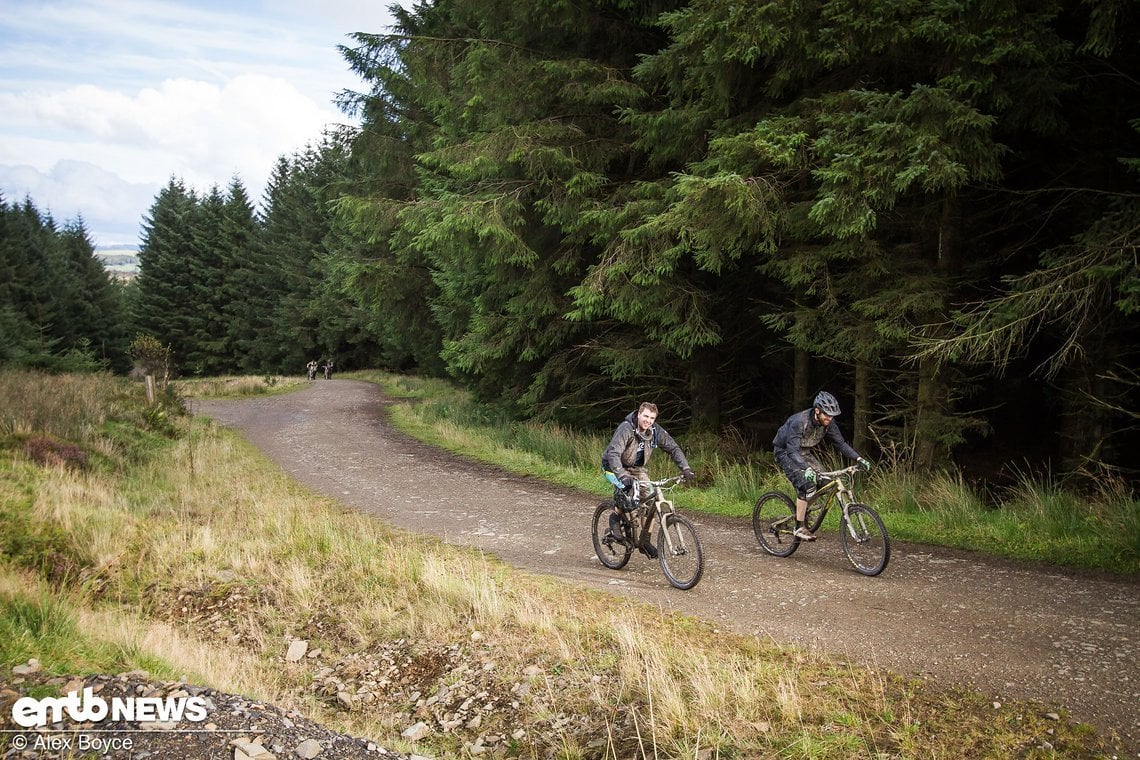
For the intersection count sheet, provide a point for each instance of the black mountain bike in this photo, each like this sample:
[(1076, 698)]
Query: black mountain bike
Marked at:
[(861, 530), (615, 525)]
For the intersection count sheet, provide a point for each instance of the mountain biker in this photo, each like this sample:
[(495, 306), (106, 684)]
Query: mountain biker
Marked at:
[(795, 443), (627, 456)]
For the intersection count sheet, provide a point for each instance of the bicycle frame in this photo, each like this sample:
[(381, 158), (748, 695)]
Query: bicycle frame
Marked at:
[(658, 491), (836, 487)]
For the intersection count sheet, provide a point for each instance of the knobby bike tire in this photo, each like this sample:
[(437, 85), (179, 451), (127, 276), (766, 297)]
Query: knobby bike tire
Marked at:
[(679, 552), (869, 550), (774, 524), (612, 554)]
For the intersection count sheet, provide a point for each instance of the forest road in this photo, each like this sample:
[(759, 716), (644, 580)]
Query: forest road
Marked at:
[(1067, 640)]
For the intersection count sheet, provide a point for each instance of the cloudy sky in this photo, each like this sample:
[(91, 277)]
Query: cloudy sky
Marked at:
[(103, 101)]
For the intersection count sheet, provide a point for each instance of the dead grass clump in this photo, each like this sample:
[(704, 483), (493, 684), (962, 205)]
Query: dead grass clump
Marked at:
[(49, 452)]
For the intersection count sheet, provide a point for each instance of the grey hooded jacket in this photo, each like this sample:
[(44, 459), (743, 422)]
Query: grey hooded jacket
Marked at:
[(628, 448)]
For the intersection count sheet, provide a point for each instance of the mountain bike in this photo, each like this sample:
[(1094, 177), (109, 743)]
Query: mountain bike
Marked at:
[(861, 530), (615, 525)]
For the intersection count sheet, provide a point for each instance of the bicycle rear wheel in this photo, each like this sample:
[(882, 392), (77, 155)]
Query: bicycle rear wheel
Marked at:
[(774, 524), (613, 551), (865, 539), (679, 552)]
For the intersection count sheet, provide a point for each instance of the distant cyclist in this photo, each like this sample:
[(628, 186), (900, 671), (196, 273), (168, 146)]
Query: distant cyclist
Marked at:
[(627, 456), (795, 445)]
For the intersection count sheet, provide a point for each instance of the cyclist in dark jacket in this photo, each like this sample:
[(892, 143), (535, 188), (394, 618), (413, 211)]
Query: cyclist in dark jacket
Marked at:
[(795, 443), (625, 459)]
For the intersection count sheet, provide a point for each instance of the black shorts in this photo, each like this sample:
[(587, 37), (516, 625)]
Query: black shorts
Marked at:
[(795, 474)]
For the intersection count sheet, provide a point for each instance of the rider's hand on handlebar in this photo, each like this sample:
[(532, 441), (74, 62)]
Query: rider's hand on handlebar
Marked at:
[(688, 474), (864, 463), (809, 475), (626, 482)]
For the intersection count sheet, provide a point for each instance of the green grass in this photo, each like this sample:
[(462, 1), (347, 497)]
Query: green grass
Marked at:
[(36, 623), (1039, 521)]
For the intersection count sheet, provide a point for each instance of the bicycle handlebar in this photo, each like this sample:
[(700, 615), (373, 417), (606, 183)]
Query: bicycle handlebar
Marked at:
[(845, 471), (666, 481)]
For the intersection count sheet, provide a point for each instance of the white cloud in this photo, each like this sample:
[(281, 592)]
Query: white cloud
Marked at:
[(147, 90), (74, 189)]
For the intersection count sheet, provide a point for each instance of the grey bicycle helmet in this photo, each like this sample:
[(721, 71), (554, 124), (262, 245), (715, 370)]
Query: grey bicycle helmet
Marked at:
[(827, 404)]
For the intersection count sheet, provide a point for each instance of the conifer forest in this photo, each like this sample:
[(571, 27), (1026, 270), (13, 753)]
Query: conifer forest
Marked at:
[(931, 210)]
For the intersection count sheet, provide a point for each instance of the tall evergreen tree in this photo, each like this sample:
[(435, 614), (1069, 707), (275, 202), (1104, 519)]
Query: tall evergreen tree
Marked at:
[(510, 115), (164, 306), (239, 298)]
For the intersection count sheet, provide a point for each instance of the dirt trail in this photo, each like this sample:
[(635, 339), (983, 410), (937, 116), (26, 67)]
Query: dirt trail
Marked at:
[(1068, 640)]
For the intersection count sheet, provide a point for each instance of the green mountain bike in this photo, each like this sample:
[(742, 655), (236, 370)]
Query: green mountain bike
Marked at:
[(861, 530)]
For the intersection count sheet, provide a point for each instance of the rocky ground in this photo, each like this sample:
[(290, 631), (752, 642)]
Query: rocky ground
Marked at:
[(236, 728)]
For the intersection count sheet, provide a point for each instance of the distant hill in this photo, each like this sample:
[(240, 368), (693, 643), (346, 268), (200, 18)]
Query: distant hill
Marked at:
[(122, 261)]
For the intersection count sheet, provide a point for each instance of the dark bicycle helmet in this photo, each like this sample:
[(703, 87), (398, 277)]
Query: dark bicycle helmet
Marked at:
[(827, 404)]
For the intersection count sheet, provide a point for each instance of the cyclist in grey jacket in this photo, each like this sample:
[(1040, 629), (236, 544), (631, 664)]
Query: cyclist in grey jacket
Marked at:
[(627, 456), (795, 444)]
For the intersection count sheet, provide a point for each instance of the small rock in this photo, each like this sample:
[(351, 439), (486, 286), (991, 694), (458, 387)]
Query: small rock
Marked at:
[(308, 749), (1052, 716), (250, 750), (296, 651), (997, 705), (416, 731), (31, 666), (346, 700)]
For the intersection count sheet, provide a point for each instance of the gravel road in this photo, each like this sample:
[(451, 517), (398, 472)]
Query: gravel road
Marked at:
[(1068, 640)]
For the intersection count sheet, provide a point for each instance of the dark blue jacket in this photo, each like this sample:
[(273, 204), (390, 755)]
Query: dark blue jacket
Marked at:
[(802, 432)]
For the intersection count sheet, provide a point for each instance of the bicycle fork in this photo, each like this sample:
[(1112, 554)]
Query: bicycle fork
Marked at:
[(858, 534), (676, 544)]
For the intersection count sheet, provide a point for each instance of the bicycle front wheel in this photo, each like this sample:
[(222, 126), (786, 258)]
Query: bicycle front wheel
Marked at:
[(613, 551), (865, 539), (679, 552), (774, 524)]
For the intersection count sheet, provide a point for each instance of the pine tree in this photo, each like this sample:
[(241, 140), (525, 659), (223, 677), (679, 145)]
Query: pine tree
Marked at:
[(505, 122), (164, 305)]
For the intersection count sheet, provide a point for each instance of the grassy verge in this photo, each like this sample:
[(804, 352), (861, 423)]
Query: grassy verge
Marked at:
[(190, 554), (1039, 520)]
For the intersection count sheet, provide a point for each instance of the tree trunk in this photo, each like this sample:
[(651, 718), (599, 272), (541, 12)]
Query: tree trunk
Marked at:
[(801, 376), (1083, 423), (705, 391), (930, 411), (932, 405), (860, 435)]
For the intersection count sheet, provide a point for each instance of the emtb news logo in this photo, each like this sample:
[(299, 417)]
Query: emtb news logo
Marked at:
[(30, 712)]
